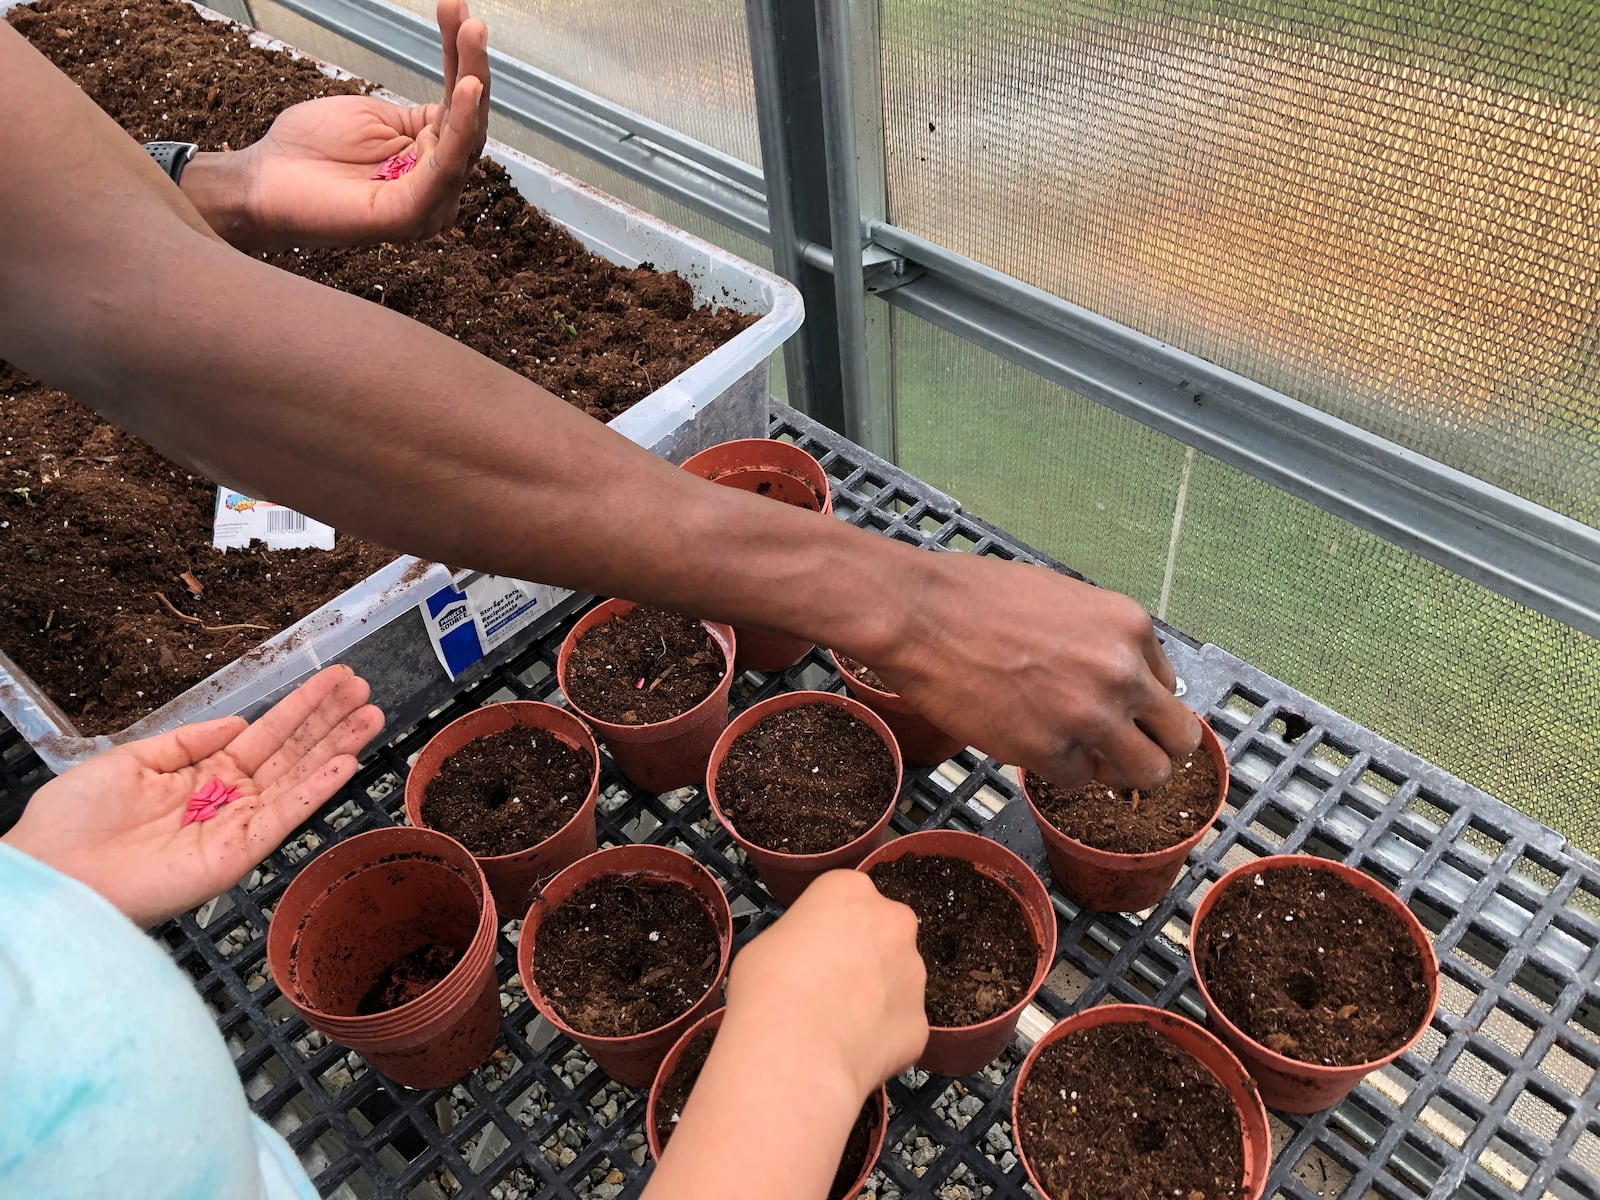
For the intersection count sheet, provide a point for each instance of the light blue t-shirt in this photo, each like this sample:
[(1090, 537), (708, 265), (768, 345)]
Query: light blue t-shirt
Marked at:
[(113, 1079)]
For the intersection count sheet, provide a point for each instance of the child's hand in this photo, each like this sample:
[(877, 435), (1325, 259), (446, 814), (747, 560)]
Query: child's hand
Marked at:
[(839, 974), (116, 822)]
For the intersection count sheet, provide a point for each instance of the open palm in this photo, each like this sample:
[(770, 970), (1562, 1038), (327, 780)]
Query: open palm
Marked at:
[(115, 823), (310, 178)]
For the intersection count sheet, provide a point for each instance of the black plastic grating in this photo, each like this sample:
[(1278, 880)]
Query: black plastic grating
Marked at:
[(1499, 1100)]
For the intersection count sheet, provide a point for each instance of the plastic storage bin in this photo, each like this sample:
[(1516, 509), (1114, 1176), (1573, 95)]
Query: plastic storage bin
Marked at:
[(382, 626)]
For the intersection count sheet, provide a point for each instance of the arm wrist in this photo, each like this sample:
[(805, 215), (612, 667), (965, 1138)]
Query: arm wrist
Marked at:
[(217, 184)]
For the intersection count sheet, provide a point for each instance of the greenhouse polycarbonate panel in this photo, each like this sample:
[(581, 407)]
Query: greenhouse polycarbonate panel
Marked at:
[(1491, 691), (683, 63), (1379, 207)]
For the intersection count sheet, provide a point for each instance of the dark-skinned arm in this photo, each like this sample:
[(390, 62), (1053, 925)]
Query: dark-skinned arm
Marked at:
[(113, 288)]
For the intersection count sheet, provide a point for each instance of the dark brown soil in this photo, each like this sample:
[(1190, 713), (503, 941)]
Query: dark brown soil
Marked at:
[(404, 981), (508, 791), (806, 780), (1312, 967), (971, 932), (1130, 821), (84, 620), (645, 666), (865, 674), (675, 1094), (626, 954), (1118, 1112)]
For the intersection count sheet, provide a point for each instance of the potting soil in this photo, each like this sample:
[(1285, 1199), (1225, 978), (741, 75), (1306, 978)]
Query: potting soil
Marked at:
[(409, 977), (1131, 821), (626, 954), (806, 780), (508, 791), (864, 673), (675, 1091), (1313, 967), (971, 933), (644, 666), (1118, 1112), (104, 535)]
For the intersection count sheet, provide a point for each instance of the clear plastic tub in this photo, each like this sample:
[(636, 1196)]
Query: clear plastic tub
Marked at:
[(381, 626)]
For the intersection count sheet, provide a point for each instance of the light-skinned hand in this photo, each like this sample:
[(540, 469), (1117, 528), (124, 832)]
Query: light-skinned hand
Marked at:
[(115, 823)]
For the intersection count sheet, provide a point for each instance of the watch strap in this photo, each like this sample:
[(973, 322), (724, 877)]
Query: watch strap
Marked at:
[(171, 157)]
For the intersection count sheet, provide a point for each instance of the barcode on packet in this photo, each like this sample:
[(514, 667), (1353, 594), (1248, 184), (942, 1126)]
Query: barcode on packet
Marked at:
[(285, 520)]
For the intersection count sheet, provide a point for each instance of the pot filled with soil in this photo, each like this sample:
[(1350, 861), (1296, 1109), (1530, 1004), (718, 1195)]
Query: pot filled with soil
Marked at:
[(680, 1070), (805, 782), (623, 951), (922, 742), (1314, 973), (1119, 850), (386, 944), (1124, 1101), (654, 684), (986, 931), (516, 784), (780, 471)]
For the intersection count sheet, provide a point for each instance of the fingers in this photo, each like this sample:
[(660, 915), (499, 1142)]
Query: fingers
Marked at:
[(313, 739), (434, 188), (186, 745), (450, 15), (270, 732), (473, 57), (1170, 723), (264, 821), (1132, 760), (1160, 664)]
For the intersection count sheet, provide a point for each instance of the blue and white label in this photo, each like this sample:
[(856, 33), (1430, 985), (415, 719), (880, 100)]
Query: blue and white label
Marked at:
[(466, 623)]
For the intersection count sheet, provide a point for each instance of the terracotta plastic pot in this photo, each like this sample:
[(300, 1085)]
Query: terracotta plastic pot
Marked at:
[(1288, 1084), (513, 878), (779, 471), (922, 742), (1104, 881), (632, 1059), (669, 1066), (787, 875), (362, 905), (1198, 1045), (662, 755), (963, 1049)]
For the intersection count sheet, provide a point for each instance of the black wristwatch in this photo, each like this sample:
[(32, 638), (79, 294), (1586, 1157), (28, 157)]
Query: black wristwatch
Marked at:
[(171, 157)]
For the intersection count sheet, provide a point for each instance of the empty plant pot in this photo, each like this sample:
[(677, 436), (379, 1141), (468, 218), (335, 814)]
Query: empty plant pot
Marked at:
[(962, 1049), (372, 920), (659, 755), (1185, 1035), (786, 875), (1291, 1084), (780, 471), (631, 1058), (846, 1187), (1105, 881), (514, 877), (922, 743)]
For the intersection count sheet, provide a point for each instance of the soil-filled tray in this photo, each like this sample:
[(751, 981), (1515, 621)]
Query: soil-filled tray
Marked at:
[(105, 627)]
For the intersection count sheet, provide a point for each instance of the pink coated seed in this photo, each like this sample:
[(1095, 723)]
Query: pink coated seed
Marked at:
[(397, 165), (209, 801)]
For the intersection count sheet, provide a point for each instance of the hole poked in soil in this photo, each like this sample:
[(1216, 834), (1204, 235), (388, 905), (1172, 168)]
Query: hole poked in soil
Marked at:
[(1312, 967), (972, 934), (1118, 1112), (644, 666), (508, 791), (408, 977), (1131, 821), (806, 780), (107, 523), (675, 1093), (625, 954)]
